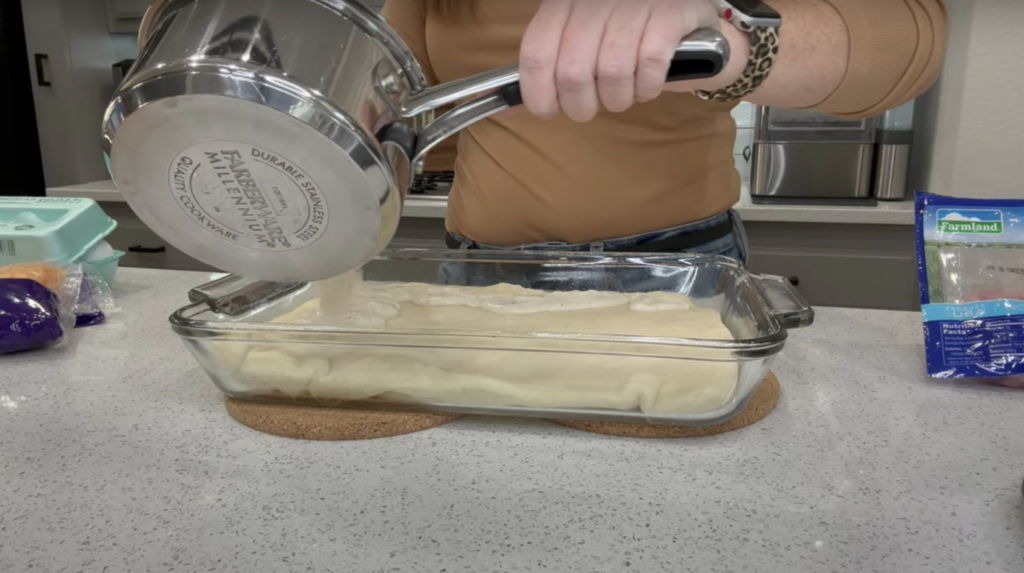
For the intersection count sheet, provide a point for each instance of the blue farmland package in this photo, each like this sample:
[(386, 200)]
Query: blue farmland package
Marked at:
[(971, 266)]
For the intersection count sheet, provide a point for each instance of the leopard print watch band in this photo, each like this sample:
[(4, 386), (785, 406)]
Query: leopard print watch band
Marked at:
[(764, 50)]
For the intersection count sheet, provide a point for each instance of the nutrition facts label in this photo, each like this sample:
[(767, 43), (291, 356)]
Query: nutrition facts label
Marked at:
[(983, 341)]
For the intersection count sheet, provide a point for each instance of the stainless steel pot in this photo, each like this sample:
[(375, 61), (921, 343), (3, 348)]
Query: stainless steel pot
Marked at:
[(276, 138)]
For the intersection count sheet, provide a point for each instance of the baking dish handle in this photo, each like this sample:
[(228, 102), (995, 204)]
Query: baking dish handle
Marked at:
[(234, 294), (786, 303)]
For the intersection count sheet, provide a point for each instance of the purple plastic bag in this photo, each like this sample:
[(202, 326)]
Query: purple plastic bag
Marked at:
[(30, 316), (87, 308)]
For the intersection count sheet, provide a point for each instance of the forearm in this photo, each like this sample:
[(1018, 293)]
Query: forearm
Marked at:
[(813, 57), (851, 58), (814, 52)]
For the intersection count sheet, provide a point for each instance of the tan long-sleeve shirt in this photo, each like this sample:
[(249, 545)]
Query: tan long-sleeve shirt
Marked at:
[(519, 179)]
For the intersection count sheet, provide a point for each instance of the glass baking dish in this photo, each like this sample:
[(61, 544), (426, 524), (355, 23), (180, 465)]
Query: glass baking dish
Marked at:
[(234, 328)]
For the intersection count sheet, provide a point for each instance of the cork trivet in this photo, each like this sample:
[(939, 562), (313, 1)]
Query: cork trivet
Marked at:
[(761, 404), (316, 423)]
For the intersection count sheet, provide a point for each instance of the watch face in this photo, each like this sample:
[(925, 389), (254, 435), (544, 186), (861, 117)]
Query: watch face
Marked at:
[(754, 9)]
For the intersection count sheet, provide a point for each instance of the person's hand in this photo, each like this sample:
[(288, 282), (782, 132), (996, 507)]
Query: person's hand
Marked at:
[(580, 55)]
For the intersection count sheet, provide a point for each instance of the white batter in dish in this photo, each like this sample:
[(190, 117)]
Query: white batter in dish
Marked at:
[(507, 377)]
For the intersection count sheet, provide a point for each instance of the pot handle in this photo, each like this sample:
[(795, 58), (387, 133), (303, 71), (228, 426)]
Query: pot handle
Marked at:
[(147, 22), (786, 303), (702, 54)]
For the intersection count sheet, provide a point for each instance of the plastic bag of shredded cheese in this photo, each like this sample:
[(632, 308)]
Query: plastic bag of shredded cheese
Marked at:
[(40, 304)]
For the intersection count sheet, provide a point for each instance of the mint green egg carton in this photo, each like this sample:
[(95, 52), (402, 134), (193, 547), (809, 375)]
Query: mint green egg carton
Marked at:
[(53, 229)]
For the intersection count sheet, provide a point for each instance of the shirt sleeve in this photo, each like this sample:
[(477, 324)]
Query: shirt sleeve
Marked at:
[(896, 53), (408, 18)]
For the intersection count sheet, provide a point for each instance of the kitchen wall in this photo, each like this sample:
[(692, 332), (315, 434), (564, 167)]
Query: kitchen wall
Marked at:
[(974, 119), (75, 37), (94, 51)]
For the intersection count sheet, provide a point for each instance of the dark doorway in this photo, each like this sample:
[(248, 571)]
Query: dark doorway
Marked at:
[(21, 164)]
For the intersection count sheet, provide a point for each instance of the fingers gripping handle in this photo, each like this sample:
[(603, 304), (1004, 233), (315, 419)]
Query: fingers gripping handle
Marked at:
[(702, 54)]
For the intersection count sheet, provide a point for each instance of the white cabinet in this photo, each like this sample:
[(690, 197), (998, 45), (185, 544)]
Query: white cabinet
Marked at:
[(142, 247), (125, 16), (70, 54), (128, 8), (744, 115)]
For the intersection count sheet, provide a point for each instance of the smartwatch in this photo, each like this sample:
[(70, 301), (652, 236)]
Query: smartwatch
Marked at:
[(762, 23), (748, 14)]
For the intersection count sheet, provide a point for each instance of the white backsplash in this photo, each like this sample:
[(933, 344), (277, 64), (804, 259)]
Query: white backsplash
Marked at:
[(744, 114)]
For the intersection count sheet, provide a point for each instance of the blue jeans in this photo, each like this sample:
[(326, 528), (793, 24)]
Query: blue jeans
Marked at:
[(733, 245)]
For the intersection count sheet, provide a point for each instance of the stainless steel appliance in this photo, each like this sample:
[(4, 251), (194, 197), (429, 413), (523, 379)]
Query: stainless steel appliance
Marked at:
[(432, 184), (277, 138), (807, 156), (895, 139)]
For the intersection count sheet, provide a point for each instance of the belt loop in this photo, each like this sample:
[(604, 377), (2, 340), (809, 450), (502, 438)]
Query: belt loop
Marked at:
[(597, 247)]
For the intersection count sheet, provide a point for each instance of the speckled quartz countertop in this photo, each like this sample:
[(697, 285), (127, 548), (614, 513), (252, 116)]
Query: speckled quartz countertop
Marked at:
[(117, 456)]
